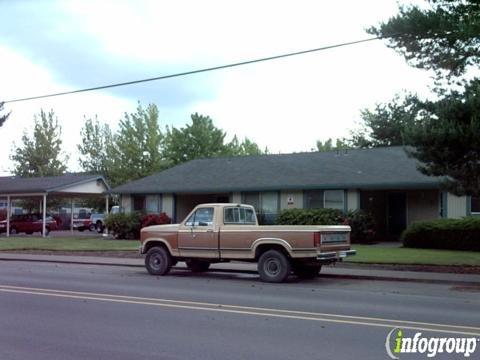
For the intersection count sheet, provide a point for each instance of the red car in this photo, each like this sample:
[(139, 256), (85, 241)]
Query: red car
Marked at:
[(28, 223)]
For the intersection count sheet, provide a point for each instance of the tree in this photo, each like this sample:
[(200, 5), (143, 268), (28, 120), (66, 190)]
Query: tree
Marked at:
[(447, 140), (246, 147), (327, 145), (3, 118), (443, 36), (41, 154), (200, 139), (135, 151), (96, 140), (385, 126)]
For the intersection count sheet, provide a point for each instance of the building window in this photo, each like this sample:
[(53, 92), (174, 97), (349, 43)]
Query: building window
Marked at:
[(266, 205), (152, 204), (313, 199), (138, 203), (334, 199), (475, 205)]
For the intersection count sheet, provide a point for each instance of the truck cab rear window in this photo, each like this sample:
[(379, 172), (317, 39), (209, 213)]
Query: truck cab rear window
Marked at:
[(239, 215)]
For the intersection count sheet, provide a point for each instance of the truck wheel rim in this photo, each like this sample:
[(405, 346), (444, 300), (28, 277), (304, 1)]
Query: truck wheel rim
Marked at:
[(155, 261), (272, 267)]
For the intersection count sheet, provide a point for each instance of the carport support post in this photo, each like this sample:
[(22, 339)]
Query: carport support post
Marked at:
[(71, 215), (44, 214), (8, 215), (105, 230)]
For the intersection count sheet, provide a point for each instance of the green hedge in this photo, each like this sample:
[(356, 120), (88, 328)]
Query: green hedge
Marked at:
[(454, 234), (363, 228)]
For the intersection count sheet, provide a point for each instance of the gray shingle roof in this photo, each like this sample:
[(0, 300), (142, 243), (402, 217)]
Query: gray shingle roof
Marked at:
[(18, 185), (387, 168)]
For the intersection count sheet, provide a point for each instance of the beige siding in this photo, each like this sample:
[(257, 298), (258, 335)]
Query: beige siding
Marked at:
[(456, 206), (422, 205), (127, 203), (236, 197), (91, 187), (353, 200), (167, 204), (296, 198)]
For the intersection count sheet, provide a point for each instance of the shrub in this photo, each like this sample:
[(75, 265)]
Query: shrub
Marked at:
[(124, 226), (454, 234), (3, 214), (154, 219), (361, 222), (128, 226)]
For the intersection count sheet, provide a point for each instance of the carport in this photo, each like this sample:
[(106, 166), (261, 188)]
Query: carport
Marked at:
[(66, 186)]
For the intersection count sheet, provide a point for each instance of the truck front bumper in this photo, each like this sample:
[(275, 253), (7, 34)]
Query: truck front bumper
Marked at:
[(335, 255)]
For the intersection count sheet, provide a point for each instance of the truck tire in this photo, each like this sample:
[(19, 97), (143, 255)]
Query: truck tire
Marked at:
[(158, 261), (197, 266), (274, 266), (307, 272)]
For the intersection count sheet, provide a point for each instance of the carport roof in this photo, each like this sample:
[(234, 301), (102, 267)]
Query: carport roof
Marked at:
[(378, 168), (48, 184)]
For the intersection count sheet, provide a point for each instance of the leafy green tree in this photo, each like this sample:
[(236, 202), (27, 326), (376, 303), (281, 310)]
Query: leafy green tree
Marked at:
[(447, 140), (246, 147), (97, 138), (200, 139), (4, 117), (135, 151), (41, 154), (442, 36), (386, 124), (327, 145)]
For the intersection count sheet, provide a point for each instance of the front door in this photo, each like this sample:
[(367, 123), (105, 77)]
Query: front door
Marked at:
[(397, 213), (198, 236)]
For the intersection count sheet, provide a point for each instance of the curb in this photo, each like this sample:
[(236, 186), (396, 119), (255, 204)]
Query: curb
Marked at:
[(236, 271)]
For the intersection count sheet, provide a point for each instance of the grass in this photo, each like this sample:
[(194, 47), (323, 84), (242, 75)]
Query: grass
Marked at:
[(400, 255), (365, 253), (67, 244)]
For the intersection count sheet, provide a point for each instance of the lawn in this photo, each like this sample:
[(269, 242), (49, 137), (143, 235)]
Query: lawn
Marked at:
[(67, 244), (400, 255)]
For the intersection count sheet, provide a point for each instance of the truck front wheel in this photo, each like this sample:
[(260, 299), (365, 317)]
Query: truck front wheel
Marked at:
[(158, 261), (274, 266)]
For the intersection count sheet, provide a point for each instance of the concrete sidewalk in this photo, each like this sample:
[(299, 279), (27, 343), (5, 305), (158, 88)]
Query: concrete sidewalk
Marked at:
[(363, 272)]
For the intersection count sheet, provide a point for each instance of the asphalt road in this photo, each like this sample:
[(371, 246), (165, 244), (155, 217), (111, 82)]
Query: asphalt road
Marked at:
[(63, 311)]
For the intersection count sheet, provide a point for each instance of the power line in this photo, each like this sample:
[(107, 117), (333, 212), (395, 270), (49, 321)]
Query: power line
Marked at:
[(198, 70)]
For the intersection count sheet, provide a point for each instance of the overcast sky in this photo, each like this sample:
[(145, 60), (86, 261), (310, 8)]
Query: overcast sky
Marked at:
[(286, 105)]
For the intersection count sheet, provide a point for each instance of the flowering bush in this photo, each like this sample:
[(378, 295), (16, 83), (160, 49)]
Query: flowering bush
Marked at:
[(154, 219)]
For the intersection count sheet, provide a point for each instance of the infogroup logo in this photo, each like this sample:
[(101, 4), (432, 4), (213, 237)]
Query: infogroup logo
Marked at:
[(397, 343)]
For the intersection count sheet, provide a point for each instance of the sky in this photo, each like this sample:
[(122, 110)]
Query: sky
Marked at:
[(49, 46)]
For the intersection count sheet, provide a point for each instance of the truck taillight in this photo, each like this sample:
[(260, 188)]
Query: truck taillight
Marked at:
[(316, 239)]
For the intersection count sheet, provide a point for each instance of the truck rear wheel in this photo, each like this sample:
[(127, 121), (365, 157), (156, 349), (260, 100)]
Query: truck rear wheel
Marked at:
[(274, 266), (158, 261), (197, 265)]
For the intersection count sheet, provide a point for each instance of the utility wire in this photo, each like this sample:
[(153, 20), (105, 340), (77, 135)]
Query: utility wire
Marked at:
[(199, 70)]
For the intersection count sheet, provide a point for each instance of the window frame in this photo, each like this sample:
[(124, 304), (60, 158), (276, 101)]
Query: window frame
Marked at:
[(194, 216), (343, 199), (238, 208)]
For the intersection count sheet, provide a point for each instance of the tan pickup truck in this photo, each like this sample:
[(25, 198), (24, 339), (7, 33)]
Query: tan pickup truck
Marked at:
[(214, 233)]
